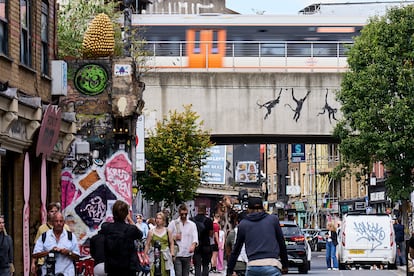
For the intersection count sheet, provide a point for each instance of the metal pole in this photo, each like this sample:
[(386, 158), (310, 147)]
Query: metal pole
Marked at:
[(127, 27), (316, 190)]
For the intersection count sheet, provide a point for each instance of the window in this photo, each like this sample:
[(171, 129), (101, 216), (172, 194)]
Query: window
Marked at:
[(44, 33), (273, 49), (25, 33), (4, 29), (275, 183), (214, 48), (197, 45)]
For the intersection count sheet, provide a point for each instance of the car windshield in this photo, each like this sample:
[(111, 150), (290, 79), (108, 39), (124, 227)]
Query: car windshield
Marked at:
[(323, 232), (291, 230)]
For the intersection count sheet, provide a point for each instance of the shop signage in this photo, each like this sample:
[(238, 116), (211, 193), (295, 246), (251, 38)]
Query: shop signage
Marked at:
[(298, 153), (49, 131)]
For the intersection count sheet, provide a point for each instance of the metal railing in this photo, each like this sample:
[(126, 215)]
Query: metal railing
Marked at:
[(253, 55)]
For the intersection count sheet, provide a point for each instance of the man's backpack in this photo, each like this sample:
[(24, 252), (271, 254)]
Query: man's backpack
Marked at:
[(44, 236), (200, 225), (117, 248)]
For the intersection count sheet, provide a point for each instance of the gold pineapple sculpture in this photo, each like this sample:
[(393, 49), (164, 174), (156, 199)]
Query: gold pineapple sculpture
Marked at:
[(99, 40)]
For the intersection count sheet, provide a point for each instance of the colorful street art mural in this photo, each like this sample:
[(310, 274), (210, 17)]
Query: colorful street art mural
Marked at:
[(87, 198)]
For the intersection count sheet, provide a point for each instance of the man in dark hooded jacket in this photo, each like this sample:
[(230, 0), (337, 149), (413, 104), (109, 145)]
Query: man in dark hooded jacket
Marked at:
[(263, 238)]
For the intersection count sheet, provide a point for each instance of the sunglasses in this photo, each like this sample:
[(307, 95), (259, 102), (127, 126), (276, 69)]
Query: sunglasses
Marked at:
[(183, 214)]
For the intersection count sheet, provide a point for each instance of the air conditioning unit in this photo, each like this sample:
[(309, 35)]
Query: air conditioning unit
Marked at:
[(59, 78)]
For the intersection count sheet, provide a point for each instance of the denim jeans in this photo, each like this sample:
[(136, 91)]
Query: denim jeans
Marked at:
[(400, 258), (201, 262), (331, 255), (182, 266), (263, 271)]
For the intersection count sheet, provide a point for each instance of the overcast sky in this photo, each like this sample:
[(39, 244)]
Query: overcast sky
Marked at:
[(279, 6)]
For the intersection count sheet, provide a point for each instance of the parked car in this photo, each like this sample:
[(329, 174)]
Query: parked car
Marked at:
[(298, 249), (310, 236), (366, 240), (320, 240)]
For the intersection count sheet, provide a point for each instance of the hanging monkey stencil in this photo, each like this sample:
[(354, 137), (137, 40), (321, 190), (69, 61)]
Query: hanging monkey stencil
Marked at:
[(299, 105), (270, 104), (330, 109)]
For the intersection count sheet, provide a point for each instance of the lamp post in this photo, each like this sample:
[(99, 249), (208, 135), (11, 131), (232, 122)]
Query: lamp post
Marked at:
[(316, 189)]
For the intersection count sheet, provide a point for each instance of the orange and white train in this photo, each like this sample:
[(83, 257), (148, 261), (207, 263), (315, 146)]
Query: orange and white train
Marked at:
[(247, 42)]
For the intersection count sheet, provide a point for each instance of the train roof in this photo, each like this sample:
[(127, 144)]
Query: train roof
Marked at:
[(245, 20)]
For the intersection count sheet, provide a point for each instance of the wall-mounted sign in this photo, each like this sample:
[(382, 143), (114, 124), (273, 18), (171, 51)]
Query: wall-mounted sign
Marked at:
[(122, 70), (298, 153), (247, 172), (91, 79), (139, 145), (49, 131), (214, 170)]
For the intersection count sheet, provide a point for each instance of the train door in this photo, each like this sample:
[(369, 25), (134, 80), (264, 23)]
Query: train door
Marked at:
[(206, 48)]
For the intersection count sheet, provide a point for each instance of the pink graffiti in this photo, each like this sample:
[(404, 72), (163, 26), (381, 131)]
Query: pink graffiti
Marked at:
[(69, 192), (118, 174)]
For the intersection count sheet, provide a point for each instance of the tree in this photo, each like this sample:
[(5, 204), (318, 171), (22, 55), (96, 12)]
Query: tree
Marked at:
[(377, 97), (175, 152), (73, 20)]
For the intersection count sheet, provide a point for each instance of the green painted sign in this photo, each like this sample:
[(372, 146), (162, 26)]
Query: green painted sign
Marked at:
[(91, 79)]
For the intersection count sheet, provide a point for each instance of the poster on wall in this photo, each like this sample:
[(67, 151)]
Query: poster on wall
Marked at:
[(214, 170), (247, 172)]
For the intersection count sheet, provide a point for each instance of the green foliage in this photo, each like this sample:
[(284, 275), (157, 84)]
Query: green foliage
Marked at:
[(377, 98), (73, 21), (175, 153)]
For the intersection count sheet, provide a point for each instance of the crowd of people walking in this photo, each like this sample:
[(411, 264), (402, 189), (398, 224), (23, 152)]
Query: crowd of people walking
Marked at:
[(254, 245), (159, 247)]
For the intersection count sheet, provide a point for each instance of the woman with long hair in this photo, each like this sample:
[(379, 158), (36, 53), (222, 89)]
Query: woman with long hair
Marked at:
[(331, 243), (164, 237)]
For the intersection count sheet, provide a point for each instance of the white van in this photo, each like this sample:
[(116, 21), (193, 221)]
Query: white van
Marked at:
[(366, 240)]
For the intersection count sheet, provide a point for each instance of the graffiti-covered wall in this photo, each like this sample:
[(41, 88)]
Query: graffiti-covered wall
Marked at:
[(87, 198), (98, 169)]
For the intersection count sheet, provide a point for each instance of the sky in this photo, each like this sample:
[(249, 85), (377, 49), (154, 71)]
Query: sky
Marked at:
[(279, 6)]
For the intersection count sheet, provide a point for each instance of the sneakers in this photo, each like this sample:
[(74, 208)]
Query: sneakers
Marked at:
[(329, 268), (334, 268)]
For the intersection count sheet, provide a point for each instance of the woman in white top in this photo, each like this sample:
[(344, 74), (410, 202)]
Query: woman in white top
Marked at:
[(142, 226)]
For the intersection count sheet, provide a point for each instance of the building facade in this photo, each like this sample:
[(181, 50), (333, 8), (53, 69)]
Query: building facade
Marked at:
[(33, 141)]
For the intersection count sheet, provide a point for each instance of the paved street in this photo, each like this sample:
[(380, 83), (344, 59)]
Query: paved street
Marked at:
[(318, 267)]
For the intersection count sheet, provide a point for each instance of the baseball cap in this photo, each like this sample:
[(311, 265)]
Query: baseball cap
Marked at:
[(255, 203)]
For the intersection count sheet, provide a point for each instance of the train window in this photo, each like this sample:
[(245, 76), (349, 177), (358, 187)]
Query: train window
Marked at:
[(299, 50), (197, 38), (324, 50), (272, 49), (214, 48)]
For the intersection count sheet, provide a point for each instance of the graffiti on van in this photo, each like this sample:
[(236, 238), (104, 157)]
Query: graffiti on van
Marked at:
[(370, 232)]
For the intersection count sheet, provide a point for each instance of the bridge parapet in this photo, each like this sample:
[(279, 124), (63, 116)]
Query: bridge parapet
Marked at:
[(261, 106)]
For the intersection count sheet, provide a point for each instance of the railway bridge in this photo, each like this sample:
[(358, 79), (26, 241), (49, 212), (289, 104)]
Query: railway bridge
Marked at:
[(250, 107)]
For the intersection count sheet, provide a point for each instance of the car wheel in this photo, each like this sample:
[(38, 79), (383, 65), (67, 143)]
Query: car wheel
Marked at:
[(392, 266), (319, 248), (342, 266), (304, 268)]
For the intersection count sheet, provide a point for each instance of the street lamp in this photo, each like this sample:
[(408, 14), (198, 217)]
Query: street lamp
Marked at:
[(316, 189)]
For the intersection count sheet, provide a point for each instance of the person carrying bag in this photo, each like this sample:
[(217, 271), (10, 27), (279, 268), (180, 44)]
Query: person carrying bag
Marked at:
[(160, 241)]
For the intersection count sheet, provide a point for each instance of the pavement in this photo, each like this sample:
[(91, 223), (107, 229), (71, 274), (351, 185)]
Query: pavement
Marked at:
[(402, 269)]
